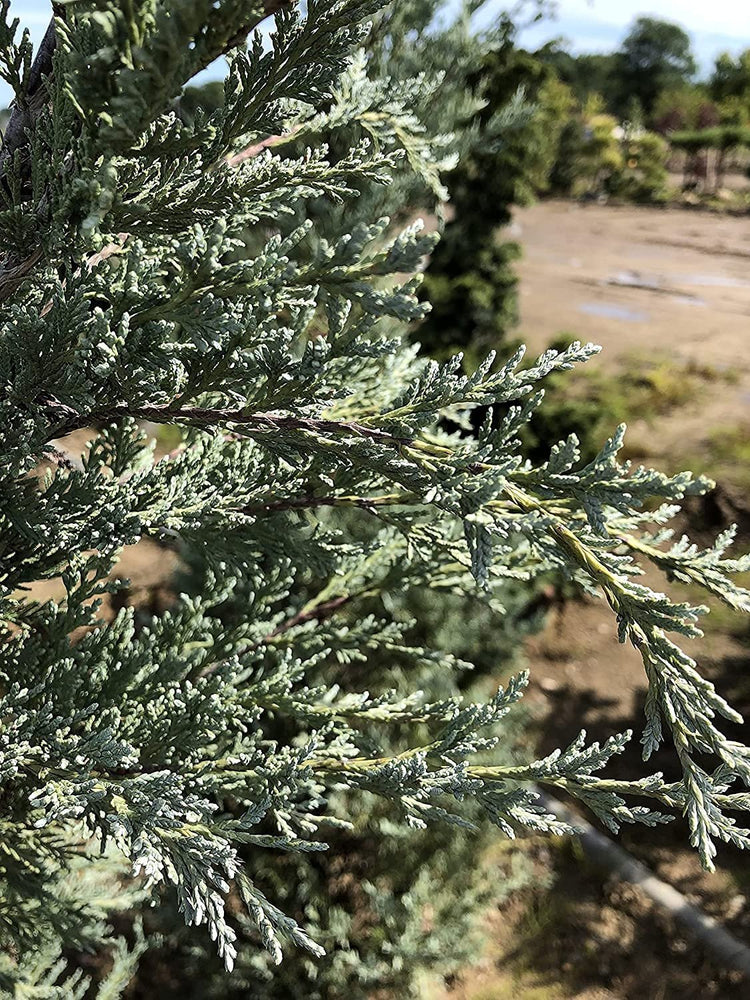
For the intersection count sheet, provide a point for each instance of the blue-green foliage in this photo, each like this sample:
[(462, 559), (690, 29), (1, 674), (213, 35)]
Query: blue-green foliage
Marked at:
[(129, 295)]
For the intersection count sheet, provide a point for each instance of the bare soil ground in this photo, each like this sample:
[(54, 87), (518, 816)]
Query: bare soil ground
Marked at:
[(640, 280), (661, 280), (635, 281)]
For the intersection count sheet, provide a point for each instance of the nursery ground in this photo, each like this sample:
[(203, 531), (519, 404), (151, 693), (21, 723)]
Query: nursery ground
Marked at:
[(670, 287)]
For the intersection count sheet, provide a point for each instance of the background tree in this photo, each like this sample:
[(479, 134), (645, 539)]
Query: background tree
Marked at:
[(587, 74), (731, 77), (656, 55), (684, 108), (471, 281)]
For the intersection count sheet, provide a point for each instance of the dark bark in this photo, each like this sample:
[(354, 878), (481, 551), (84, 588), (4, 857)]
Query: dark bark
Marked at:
[(16, 140), (64, 420), (26, 108)]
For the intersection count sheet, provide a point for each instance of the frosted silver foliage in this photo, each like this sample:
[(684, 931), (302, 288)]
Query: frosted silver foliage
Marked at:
[(156, 272)]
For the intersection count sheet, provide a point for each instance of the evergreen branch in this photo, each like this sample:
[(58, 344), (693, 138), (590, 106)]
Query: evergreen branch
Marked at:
[(260, 311), (317, 613), (66, 421), (368, 503), (708, 569)]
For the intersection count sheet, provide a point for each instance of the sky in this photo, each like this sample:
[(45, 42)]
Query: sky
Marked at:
[(599, 25), (588, 25)]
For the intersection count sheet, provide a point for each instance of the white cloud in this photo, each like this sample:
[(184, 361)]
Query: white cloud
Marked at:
[(720, 17)]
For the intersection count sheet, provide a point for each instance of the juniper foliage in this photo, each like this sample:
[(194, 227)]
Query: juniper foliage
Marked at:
[(130, 296)]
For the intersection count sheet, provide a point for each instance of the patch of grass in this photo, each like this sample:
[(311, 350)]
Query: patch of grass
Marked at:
[(724, 456), (168, 437), (728, 455), (515, 988), (543, 918), (726, 620)]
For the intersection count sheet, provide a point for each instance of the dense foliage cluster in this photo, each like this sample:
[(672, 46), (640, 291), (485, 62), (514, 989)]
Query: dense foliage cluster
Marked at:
[(650, 82), (179, 271), (471, 282)]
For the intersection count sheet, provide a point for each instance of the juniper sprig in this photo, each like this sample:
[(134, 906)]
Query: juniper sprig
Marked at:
[(158, 272)]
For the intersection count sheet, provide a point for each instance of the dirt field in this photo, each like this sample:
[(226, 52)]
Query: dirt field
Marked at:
[(640, 280), (632, 280)]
